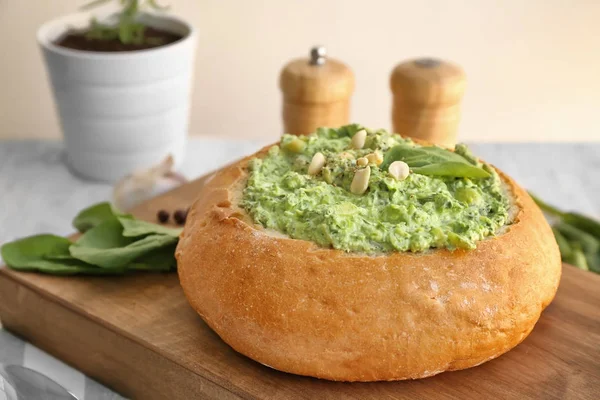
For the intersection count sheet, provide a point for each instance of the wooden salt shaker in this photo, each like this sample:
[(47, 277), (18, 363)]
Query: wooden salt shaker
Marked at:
[(316, 92), (427, 95)]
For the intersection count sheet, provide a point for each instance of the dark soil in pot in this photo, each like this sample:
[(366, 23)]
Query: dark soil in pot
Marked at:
[(153, 37)]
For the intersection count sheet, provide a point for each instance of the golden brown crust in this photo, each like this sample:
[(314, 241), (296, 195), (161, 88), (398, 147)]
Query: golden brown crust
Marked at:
[(329, 314)]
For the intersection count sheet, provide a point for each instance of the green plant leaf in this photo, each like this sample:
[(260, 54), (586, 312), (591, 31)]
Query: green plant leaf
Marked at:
[(593, 262), (137, 34), (48, 254), (136, 227), (132, 8), (120, 256), (24, 251), (577, 257), (577, 220), (563, 243), (343, 131), (113, 243), (95, 215), (546, 207), (128, 30), (583, 223), (92, 216), (101, 32), (454, 169), (578, 236), (94, 3), (156, 6), (58, 257), (106, 235), (464, 151), (125, 33), (162, 259), (588, 243), (433, 161), (106, 247), (420, 156)]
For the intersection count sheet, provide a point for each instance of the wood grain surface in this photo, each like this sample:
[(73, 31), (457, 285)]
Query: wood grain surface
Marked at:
[(137, 335)]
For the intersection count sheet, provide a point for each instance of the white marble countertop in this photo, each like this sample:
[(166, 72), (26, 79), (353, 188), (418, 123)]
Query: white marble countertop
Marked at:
[(38, 194)]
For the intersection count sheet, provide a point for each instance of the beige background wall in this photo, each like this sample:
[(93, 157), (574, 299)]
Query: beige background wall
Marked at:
[(533, 66)]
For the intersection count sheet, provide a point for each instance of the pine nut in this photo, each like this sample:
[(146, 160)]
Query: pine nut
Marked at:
[(360, 182), (399, 170), (361, 162), (316, 164), (345, 154), (375, 158), (358, 140)]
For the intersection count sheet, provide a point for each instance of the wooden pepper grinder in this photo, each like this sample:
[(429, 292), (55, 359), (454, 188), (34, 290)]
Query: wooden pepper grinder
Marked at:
[(316, 92), (427, 95)]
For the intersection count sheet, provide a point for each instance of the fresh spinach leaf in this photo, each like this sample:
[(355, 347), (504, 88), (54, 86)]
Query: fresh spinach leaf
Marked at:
[(112, 243), (136, 227), (107, 235), (31, 251), (454, 169), (106, 247), (95, 215), (57, 257), (343, 131), (48, 254), (433, 161), (68, 267), (21, 251), (462, 150), (420, 156), (162, 259), (120, 256)]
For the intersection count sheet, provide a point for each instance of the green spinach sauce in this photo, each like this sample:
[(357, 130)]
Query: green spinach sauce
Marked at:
[(415, 214)]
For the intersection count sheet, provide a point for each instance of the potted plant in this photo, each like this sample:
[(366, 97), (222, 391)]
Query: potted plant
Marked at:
[(121, 84)]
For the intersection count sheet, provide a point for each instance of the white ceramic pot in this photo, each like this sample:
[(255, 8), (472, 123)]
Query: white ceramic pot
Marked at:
[(120, 111)]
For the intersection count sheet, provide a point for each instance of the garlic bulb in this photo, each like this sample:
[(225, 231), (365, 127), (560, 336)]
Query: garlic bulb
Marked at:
[(145, 184)]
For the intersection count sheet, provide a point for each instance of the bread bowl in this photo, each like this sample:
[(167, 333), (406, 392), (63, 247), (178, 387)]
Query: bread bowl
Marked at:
[(337, 314)]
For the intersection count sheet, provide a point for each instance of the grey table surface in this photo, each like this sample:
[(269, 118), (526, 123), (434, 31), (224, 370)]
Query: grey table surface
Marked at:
[(38, 194)]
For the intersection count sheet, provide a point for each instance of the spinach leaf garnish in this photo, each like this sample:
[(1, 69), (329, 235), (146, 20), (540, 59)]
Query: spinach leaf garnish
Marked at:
[(433, 161)]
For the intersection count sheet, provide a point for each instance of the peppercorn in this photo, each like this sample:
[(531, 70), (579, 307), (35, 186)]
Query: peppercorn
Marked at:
[(162, 216), (180, 216)]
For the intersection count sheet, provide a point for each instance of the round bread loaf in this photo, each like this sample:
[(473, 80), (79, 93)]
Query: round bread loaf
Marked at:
[(299, 308)]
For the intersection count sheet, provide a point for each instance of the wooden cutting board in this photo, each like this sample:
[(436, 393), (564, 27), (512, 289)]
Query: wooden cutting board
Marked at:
[(137, 335)]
